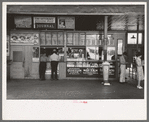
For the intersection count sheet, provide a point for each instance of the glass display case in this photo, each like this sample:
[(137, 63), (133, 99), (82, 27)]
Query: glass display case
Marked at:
[(76, 54), (84, 52)]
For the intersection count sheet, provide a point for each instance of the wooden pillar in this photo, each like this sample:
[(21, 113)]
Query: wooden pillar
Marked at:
[(62, 65), (105, 37), (65, 47), (137, 30)]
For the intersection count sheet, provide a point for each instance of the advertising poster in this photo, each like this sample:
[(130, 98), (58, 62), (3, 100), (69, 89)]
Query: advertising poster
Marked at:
[(23, 21), (54, 38), (110, 40), (99, 39), (69, 39), (91, 39), (44, 22), (24, 39), (48, 39), (110, 53), (82, 39), (42, 38), (76, 39), (66, 23), (60, 38)]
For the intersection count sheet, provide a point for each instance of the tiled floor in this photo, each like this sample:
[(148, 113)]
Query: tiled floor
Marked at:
[(72, 89)]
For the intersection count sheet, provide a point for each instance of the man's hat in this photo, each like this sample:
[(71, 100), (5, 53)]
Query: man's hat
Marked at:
[(138, 54), (54, 50)]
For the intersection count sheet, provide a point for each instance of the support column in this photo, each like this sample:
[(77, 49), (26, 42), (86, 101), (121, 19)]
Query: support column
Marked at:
[(105, 64), (62, 65), (65, 47), (105, 37)]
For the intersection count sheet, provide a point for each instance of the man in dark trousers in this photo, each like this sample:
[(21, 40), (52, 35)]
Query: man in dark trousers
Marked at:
[(42, 66), (54, 58)]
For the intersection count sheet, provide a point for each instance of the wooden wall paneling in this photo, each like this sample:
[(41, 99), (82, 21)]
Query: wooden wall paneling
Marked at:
[(62, 70), (28, 61)]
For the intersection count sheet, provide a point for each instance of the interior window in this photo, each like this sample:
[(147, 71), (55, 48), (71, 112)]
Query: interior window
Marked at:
[(132, 38), (17, 56), (140, 38)]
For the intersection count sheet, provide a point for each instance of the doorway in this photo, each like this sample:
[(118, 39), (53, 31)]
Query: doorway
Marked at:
[(21, 66)]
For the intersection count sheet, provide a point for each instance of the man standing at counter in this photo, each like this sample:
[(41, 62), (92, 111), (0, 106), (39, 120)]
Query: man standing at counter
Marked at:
[(123, 62), (54, 58), (42, 66)]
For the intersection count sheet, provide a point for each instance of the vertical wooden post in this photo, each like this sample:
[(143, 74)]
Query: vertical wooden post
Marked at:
[(65, 48), (137, 30), (105, 37)]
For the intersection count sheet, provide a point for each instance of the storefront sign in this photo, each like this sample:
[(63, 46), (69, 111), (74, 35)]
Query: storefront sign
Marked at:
[(66, 23), (74, 71), (23, 21), (44, 22), (24, 38), (49, 25), (90, 71)]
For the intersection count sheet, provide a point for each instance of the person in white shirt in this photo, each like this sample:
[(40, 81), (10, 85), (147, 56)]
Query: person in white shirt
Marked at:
[(54, 58), (140, 74), (123, 62)]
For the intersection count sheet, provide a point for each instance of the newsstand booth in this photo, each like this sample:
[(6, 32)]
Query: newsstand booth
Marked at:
[(78, 38)]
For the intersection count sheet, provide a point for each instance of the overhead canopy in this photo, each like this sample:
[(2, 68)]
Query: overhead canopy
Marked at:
[(77, 9)]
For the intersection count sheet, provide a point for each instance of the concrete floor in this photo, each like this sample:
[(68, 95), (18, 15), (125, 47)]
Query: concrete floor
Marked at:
[(72, 89)]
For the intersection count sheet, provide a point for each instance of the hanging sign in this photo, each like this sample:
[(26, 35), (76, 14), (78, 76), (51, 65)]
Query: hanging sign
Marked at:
[(66, 23), (44, 22), (23, 21)]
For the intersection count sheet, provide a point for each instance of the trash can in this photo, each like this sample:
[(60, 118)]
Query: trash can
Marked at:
[(106, 66)]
